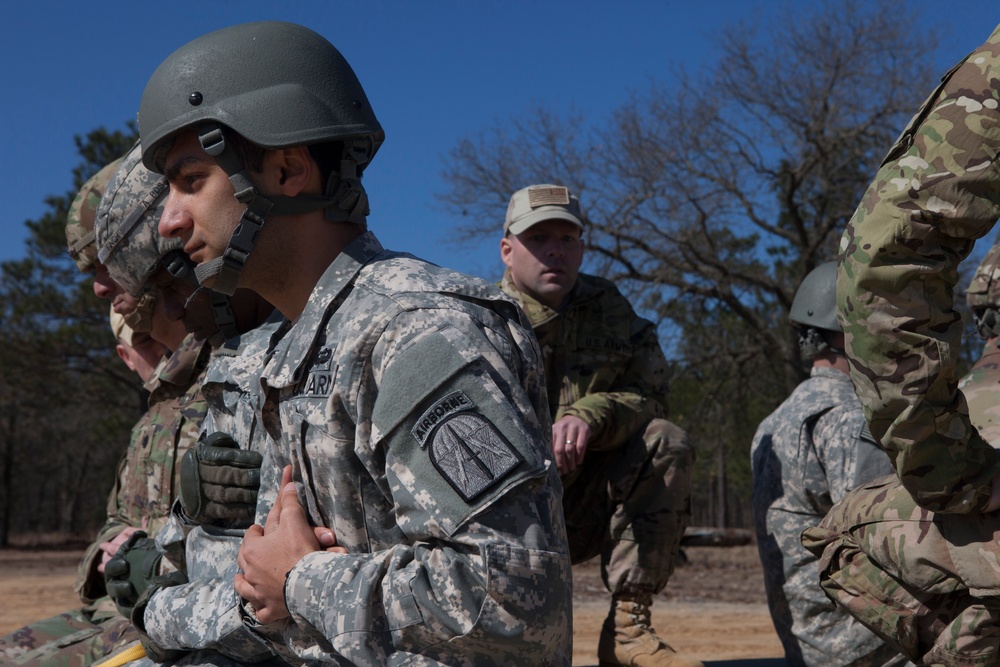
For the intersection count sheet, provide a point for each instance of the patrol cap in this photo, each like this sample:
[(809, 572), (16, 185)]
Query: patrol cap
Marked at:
[(122, 331), (537, 203), (984, 288), (80, 222)]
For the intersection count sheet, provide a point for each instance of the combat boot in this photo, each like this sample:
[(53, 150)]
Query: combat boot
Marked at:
[(627, 638)]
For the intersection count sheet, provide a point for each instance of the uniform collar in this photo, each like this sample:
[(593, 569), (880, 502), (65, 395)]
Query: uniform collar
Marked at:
[(540, 314), (285, 367)]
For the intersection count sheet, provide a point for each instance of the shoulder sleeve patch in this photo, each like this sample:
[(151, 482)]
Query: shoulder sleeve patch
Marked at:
[(452, 437), (471, 454)]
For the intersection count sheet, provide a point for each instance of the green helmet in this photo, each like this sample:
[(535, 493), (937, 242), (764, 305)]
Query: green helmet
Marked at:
[(80, 221), (814, 310), (125, 229), (277, 85), (815, 302)]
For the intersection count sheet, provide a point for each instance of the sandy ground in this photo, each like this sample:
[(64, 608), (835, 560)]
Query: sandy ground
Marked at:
[(713, 609)]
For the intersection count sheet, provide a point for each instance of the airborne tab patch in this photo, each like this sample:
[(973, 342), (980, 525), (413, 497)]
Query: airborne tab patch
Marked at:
[(454, 402), (471, 454)]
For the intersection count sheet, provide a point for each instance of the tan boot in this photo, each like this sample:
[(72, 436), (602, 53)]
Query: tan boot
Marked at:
[(627, 637)]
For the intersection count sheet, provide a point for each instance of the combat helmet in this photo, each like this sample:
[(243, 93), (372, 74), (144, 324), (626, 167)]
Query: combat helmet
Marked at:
[(80, 221), (983, 295), (277, 85), (132, 250), (814, 310), (128, 244)]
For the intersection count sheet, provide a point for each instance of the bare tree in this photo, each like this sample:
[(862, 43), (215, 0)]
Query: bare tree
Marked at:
[(728, 186), (710, 196)]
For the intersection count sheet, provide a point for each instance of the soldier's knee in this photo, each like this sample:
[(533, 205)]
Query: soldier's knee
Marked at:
[(665, 438)]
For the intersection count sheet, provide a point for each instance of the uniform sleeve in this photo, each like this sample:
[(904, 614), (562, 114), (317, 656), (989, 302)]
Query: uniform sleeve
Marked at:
[(481, 572), (206, 612), (89, 584), (640, 394), (937, 191), (847, 452)]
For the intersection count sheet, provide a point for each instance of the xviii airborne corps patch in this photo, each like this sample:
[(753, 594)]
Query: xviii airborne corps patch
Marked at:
[(465, 447)]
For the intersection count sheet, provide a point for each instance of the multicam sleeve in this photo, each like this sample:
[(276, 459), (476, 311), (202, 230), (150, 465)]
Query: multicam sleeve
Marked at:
[(89, 584), (937, 191), (640, 394)]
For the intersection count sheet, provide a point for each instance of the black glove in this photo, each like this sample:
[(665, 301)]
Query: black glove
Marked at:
[(129, 571), (219, 482)]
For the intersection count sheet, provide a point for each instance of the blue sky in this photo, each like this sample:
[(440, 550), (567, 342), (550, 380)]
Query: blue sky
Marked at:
[(435, 71)]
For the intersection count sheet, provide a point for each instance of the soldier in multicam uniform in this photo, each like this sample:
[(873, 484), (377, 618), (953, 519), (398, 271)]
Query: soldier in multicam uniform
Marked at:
[(80, 239), (923, 579), (806, 456), (626, 469), (938, 190), (404, 398), (145, 483)]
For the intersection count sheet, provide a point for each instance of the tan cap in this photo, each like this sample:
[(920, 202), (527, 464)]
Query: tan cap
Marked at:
[(122, 331), (536, 203)]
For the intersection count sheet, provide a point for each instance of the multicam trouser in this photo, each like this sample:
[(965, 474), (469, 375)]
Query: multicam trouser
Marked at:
[(929, 584), (631, 506), (77, 638)]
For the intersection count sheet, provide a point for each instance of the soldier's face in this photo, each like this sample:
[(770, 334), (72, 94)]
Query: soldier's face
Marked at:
[(106, 288), (544, 260), (201, 208), (142, 355)]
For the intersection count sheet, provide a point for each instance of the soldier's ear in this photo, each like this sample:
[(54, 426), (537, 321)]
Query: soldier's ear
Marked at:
[(505, 250), (291, 170), (125, 356)]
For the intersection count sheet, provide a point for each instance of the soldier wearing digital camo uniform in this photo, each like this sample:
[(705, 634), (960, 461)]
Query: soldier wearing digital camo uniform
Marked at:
[(806, 455), (938, 190), (202, 536), (145, 482), (424, 522), (626, 469), (915, 576), (136, 257)]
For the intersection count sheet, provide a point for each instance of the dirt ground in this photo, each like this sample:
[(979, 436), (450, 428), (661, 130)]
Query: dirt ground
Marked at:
[(713, 609)]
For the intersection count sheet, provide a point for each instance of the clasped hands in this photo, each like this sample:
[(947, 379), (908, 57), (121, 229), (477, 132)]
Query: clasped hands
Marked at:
[(268, 553)]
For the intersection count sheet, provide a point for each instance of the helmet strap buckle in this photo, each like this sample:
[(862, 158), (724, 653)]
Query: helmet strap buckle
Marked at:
[(212, 139)]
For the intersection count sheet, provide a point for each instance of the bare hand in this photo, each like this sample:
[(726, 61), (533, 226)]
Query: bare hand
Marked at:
[(109, 549), (569, 442), (267, 554)]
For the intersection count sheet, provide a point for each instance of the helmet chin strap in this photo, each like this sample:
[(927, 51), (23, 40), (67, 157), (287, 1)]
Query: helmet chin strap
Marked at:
[(348, 203), (180, 267), (813, 341), (140, 320)]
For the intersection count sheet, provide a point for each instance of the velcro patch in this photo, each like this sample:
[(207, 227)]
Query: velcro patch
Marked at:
[(471, 454), (454, 402), (319, 380)]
